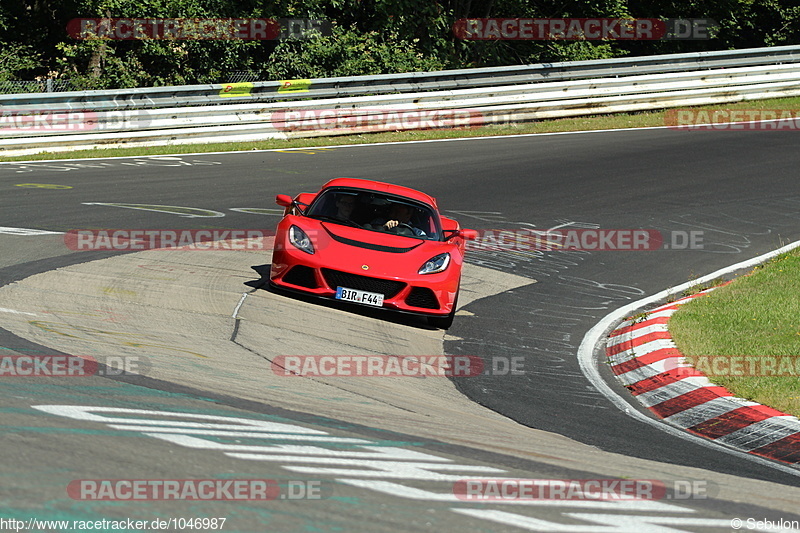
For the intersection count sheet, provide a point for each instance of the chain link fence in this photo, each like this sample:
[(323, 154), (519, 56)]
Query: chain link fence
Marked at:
[(57, 86), (243, 76), (37, 86)]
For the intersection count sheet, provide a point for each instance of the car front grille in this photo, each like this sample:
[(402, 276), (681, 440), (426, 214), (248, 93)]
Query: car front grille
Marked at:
[(422, 297), (336, 278)]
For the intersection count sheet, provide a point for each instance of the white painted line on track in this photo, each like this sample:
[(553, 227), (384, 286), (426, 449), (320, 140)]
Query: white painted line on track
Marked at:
[(26, 231), (239, 305), (331, 147), (595, 337), (13, 311)]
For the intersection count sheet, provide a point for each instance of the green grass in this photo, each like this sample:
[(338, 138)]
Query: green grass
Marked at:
[(699, 287), (757, 315), (596, 122)]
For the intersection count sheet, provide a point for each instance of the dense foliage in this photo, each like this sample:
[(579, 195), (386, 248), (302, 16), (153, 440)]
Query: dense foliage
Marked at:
[(368, 36)]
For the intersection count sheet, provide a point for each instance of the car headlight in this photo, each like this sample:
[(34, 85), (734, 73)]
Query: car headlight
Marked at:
[(435, 264), (300, 240)]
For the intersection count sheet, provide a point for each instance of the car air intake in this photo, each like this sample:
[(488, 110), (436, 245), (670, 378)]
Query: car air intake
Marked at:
[(301, 276), (422, 297)]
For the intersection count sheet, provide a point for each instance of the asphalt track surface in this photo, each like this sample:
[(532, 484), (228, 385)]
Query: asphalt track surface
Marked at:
[(737, 188)]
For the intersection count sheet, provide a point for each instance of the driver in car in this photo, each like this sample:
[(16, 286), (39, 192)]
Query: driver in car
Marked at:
[(345, 203), (399, 214)]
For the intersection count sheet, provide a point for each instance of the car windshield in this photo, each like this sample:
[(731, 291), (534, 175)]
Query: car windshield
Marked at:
[(376, 212)]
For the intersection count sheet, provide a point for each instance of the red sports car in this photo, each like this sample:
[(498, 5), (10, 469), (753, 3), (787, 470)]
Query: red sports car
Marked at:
[(372, 243)]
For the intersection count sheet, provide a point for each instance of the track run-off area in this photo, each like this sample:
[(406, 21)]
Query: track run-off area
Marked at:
[(187, 401)]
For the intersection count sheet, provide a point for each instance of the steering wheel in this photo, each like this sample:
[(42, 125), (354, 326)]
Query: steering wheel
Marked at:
[(402, 225)]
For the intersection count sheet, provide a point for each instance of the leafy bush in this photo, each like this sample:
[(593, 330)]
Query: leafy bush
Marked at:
[(347, 52)]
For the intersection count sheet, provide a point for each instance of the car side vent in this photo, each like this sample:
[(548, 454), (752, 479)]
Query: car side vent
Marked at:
[(422, 297), (302, 276)]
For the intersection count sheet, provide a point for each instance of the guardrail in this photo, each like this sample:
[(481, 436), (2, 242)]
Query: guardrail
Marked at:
[(334, 106)]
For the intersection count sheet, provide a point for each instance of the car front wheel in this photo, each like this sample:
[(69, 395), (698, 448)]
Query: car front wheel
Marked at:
[(444, 322)]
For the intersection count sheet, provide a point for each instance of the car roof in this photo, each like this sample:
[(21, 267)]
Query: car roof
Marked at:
[(380, 186)]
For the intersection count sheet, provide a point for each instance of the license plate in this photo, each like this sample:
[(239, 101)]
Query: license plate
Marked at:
[(362, 297)]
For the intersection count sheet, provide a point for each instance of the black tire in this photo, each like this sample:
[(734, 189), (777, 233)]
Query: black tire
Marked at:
[(444, 322)]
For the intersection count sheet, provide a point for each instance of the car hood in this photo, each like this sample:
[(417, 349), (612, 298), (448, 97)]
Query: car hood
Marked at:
[(368, 253), (371, 240)]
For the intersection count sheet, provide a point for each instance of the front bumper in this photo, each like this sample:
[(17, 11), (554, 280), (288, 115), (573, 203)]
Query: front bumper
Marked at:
[(429, 294)]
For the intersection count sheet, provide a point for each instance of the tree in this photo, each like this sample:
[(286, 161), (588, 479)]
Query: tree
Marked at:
[(369, 37)]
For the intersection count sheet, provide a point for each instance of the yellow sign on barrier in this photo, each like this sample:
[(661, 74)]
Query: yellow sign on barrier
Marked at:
[(236, 89), (294, 86)]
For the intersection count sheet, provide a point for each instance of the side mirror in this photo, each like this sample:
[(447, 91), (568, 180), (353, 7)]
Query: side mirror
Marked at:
[(469, 234), (284, 200), (466, 234)]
